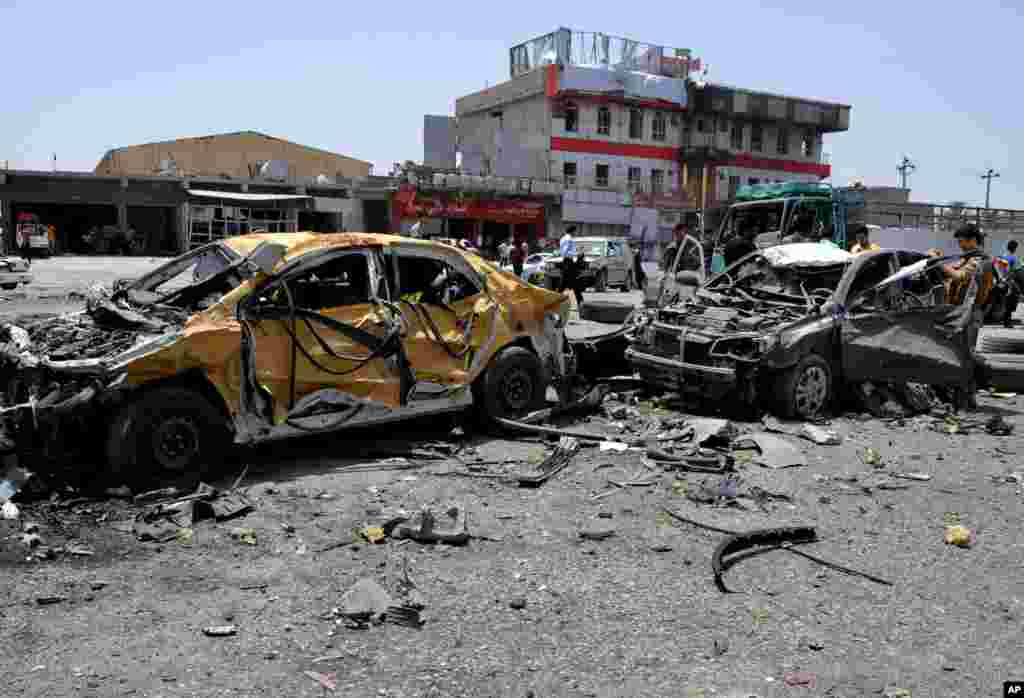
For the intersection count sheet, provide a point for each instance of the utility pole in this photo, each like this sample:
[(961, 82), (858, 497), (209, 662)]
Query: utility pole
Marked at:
[(988, 177), (905, 168)]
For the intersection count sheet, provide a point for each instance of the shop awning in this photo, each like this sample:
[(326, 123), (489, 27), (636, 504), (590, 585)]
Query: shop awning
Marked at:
[(244, 196)]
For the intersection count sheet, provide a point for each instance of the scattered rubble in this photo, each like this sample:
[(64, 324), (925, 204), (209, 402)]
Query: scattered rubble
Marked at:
[(563, 454), (774, 452), (960, 536), (328, 681)]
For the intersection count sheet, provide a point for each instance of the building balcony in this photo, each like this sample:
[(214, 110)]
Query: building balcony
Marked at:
[(507, 186), (598, 50)]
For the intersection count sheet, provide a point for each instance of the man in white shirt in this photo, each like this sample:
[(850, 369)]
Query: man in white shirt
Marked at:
[(567, 245)]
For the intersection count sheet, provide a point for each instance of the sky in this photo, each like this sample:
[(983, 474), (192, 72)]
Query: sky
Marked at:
[(933, 81)]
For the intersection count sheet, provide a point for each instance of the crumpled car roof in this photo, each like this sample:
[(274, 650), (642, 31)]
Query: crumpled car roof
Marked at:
[(805, 254)]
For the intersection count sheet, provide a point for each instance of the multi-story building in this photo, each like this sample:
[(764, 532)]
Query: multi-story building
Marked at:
[(632, 141)]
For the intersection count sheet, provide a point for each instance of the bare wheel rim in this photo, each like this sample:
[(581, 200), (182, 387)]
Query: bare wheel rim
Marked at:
[(516, 389), (176, 442), (811, 390)]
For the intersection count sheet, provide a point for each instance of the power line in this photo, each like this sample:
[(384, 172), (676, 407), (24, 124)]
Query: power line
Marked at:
[(905, 168), (988, 177)]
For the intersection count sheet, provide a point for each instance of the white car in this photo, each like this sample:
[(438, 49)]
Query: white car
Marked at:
[(533, 268), (14, 271)]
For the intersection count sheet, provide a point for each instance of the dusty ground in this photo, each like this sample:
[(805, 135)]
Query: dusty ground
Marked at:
[(636, 614)]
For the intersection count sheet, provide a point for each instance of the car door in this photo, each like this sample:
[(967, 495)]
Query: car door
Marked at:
[(689, 260), (886, 339), (445, 314), (322, 342)]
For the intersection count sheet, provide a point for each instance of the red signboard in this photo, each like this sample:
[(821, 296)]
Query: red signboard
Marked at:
[(411, 204)]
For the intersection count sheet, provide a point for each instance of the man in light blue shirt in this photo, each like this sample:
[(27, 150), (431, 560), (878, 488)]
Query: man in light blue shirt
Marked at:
[(567, 245)]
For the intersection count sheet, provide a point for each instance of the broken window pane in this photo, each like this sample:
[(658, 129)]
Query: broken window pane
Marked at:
[(432, 281), (336, 283)]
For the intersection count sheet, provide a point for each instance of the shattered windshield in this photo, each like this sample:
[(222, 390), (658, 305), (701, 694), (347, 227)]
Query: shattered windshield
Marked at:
[(757, 218), (187, 270), (194, 281), (758, 278)]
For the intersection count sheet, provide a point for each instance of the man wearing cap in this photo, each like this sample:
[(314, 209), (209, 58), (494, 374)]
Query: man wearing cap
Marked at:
[(969, 280)]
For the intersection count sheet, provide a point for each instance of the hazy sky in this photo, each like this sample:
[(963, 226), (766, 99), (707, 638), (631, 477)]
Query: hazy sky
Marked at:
[(937, 81)]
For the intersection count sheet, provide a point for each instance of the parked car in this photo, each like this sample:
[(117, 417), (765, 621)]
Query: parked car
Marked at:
[(533, 268), (14, 271), (265, 336), (789, 325), (608, 263)]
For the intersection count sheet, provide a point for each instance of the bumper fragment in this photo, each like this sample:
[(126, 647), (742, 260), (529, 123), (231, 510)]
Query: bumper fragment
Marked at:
[(671, 374)]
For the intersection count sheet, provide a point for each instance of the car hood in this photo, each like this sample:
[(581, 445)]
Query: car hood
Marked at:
[(717, 315)]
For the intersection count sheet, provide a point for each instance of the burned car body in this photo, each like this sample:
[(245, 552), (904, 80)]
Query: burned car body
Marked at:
[(264, 336), (790, 324)]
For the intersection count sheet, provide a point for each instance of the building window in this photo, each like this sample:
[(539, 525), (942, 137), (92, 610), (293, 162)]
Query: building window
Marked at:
[(807, 145), (636, 123), (657, 181), (572, 118), (634, 178), (601, 176), (569, 173), (734, 185), (757, 137), (737, 137), (754, 181), (702, 126), (604, 121), (658, 127), (782, 146), (723, 126)]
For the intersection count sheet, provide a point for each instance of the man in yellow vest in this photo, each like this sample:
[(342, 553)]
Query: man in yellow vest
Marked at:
[(861, 241)]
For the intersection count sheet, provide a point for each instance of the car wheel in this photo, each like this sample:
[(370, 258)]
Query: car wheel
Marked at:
[(512, 386), (601, 282), (166, 431), (806, 389)]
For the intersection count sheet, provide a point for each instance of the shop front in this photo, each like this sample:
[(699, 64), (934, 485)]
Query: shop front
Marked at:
[(485, 221)]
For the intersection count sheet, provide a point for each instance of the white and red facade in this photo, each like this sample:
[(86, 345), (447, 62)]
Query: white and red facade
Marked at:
[(625, 143)]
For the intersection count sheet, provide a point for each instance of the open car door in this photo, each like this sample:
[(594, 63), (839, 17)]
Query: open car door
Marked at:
[(321, 343), (902, 331), (446, 315), (685, 275)]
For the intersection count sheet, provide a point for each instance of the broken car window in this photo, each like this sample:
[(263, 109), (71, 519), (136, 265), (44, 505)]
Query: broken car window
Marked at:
[(186, 270), (432, 281), (338, 282)]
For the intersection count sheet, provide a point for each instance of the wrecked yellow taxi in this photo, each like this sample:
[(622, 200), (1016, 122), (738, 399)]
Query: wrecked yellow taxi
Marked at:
[(267, 336)]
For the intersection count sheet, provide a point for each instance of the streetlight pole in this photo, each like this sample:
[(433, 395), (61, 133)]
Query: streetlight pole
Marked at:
[(988, 177)]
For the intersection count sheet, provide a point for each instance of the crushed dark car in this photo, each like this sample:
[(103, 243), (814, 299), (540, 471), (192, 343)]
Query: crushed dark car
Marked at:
[(788, 327)]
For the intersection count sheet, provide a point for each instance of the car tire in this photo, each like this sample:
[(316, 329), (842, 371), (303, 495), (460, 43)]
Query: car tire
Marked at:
[(9, 287), (805, 390), (166, 431), (512, 386), (999, 340), (601, 282)]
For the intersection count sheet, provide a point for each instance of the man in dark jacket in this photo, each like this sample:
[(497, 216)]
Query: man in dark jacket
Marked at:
[(741, 245)]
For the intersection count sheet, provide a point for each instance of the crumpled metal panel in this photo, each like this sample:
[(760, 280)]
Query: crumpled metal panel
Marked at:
[(920, 345)]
